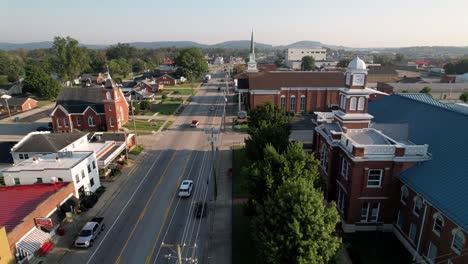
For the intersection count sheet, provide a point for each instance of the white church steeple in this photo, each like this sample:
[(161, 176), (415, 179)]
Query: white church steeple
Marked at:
[(252, 65)]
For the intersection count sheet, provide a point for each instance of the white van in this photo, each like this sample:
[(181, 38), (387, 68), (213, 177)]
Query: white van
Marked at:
[(185, 189)]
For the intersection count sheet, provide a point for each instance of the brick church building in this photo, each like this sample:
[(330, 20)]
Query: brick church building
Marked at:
[(97, 108), (397, 165)]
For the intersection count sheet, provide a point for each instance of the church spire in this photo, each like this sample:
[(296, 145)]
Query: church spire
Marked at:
[(252, 65)]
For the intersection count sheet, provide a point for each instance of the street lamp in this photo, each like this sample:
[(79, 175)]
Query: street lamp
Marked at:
[(6, 97)]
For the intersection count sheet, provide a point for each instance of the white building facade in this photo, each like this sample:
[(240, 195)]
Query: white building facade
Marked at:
[(294, 56), (80, 168)]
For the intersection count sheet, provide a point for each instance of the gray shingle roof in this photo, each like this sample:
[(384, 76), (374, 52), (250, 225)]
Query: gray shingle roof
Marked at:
[(443, 180), (48, 142), (76, 100)]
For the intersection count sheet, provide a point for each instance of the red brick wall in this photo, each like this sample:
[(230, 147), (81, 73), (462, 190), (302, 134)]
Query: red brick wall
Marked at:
[(41, 211), (442, 242), (59, 117)]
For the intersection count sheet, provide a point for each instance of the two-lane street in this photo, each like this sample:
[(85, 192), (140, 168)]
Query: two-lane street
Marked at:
[(147, 211)]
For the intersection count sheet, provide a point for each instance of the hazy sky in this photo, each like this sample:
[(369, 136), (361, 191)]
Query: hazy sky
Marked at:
[(358, 23)]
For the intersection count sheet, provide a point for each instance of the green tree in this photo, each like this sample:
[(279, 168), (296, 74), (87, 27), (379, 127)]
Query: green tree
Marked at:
[(267, 174), (399, 58), (464, 97), (145, 105), (138, 65), (121, 50), (269, 113), (11, 65), (449, 68), (308, 63), (125, 67), (343, 63), (97, 61), (69, 59), (40, 84), (426, 90), (294, 226), (193, 63), (461, 67), (382, 59)]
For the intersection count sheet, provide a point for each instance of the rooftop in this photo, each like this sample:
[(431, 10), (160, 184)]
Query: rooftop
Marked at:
[(76, 100), (19, 201), (442, 180), (368, 137), (46, 142), (50, 162)]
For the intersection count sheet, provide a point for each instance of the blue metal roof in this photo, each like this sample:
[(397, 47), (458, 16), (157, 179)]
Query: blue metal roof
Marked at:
[(443, 180)]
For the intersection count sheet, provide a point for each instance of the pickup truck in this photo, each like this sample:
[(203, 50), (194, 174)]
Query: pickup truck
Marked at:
[(90, 232)]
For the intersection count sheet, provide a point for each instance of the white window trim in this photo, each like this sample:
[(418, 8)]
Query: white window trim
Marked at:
[(415, 199), (404, 190), (344, 167), (428, 251), (65, 123), (435, 217), (380, 180), (378, 212), (292, 107), (415, 232), (361, 103), (456, 231), (367, 213), (352, 104), (58, 122), (94, 121), (111, 121), (283, 102), (302, 105)]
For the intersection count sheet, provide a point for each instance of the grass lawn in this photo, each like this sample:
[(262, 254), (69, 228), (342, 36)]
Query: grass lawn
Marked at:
[(44, 102), (166, 108), (136, 150), (4, 80), (243, 127), (180, 91), (239, 160), (189, 85), (242, 246), (375, 247), (149, 113), (144, 125)]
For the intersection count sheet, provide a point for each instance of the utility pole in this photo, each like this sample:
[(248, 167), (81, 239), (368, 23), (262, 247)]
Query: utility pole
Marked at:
[(179, 257), (212, 140), (133, 117)]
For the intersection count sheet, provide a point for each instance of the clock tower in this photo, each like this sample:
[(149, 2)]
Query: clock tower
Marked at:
[(354, 97), (252, 65)]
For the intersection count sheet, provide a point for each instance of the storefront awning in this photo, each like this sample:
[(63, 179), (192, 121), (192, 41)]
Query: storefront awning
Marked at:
[(32, 242), (111, 154)]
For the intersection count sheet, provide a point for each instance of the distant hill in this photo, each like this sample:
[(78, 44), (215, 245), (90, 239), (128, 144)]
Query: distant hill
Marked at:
[(240, 44), (28, 46), (167, 44)]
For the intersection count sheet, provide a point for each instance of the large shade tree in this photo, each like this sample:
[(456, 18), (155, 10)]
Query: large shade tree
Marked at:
[(40, 83), (193, 63), (295, 226), (69, 59)]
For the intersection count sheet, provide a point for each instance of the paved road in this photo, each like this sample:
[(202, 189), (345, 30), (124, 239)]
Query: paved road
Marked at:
[(147, 211)]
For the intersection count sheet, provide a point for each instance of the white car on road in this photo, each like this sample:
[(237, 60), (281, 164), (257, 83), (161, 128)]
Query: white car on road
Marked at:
[(185, 189)]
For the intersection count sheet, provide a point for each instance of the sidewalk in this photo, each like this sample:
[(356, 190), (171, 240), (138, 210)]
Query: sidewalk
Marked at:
[(64, 244)]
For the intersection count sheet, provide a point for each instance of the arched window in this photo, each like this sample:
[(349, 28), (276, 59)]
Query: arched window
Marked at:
[(404, 194), (343, 102), (111, 121), (438, 223), (91, 121), (108, 96), (361, 103), (417, 205), (303, 103), (352, 103), (283, 102), (458, 242), (292, 103)]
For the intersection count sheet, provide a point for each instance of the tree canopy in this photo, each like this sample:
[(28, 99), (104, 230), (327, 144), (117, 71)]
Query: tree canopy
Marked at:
[(426, 90), (343, 63), (40, 84), (267, 113), (459, 67), (11, 66), (464, 97), (192, 62), (294, 226), (69, 59), (308, 63)]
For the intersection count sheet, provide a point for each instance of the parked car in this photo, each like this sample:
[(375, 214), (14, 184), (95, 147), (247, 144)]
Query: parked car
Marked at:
[(90, 232), (201, 209), (242, 115), (185, 189), (194, 123)]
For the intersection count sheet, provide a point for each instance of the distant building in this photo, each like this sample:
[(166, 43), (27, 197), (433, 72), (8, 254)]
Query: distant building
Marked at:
[(165, 80), (90, 79), (294, 56), (18, 103), (440, 91)]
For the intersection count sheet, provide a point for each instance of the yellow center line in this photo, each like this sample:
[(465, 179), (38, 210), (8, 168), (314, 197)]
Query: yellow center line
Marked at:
[(166, 213), (145, 208)]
